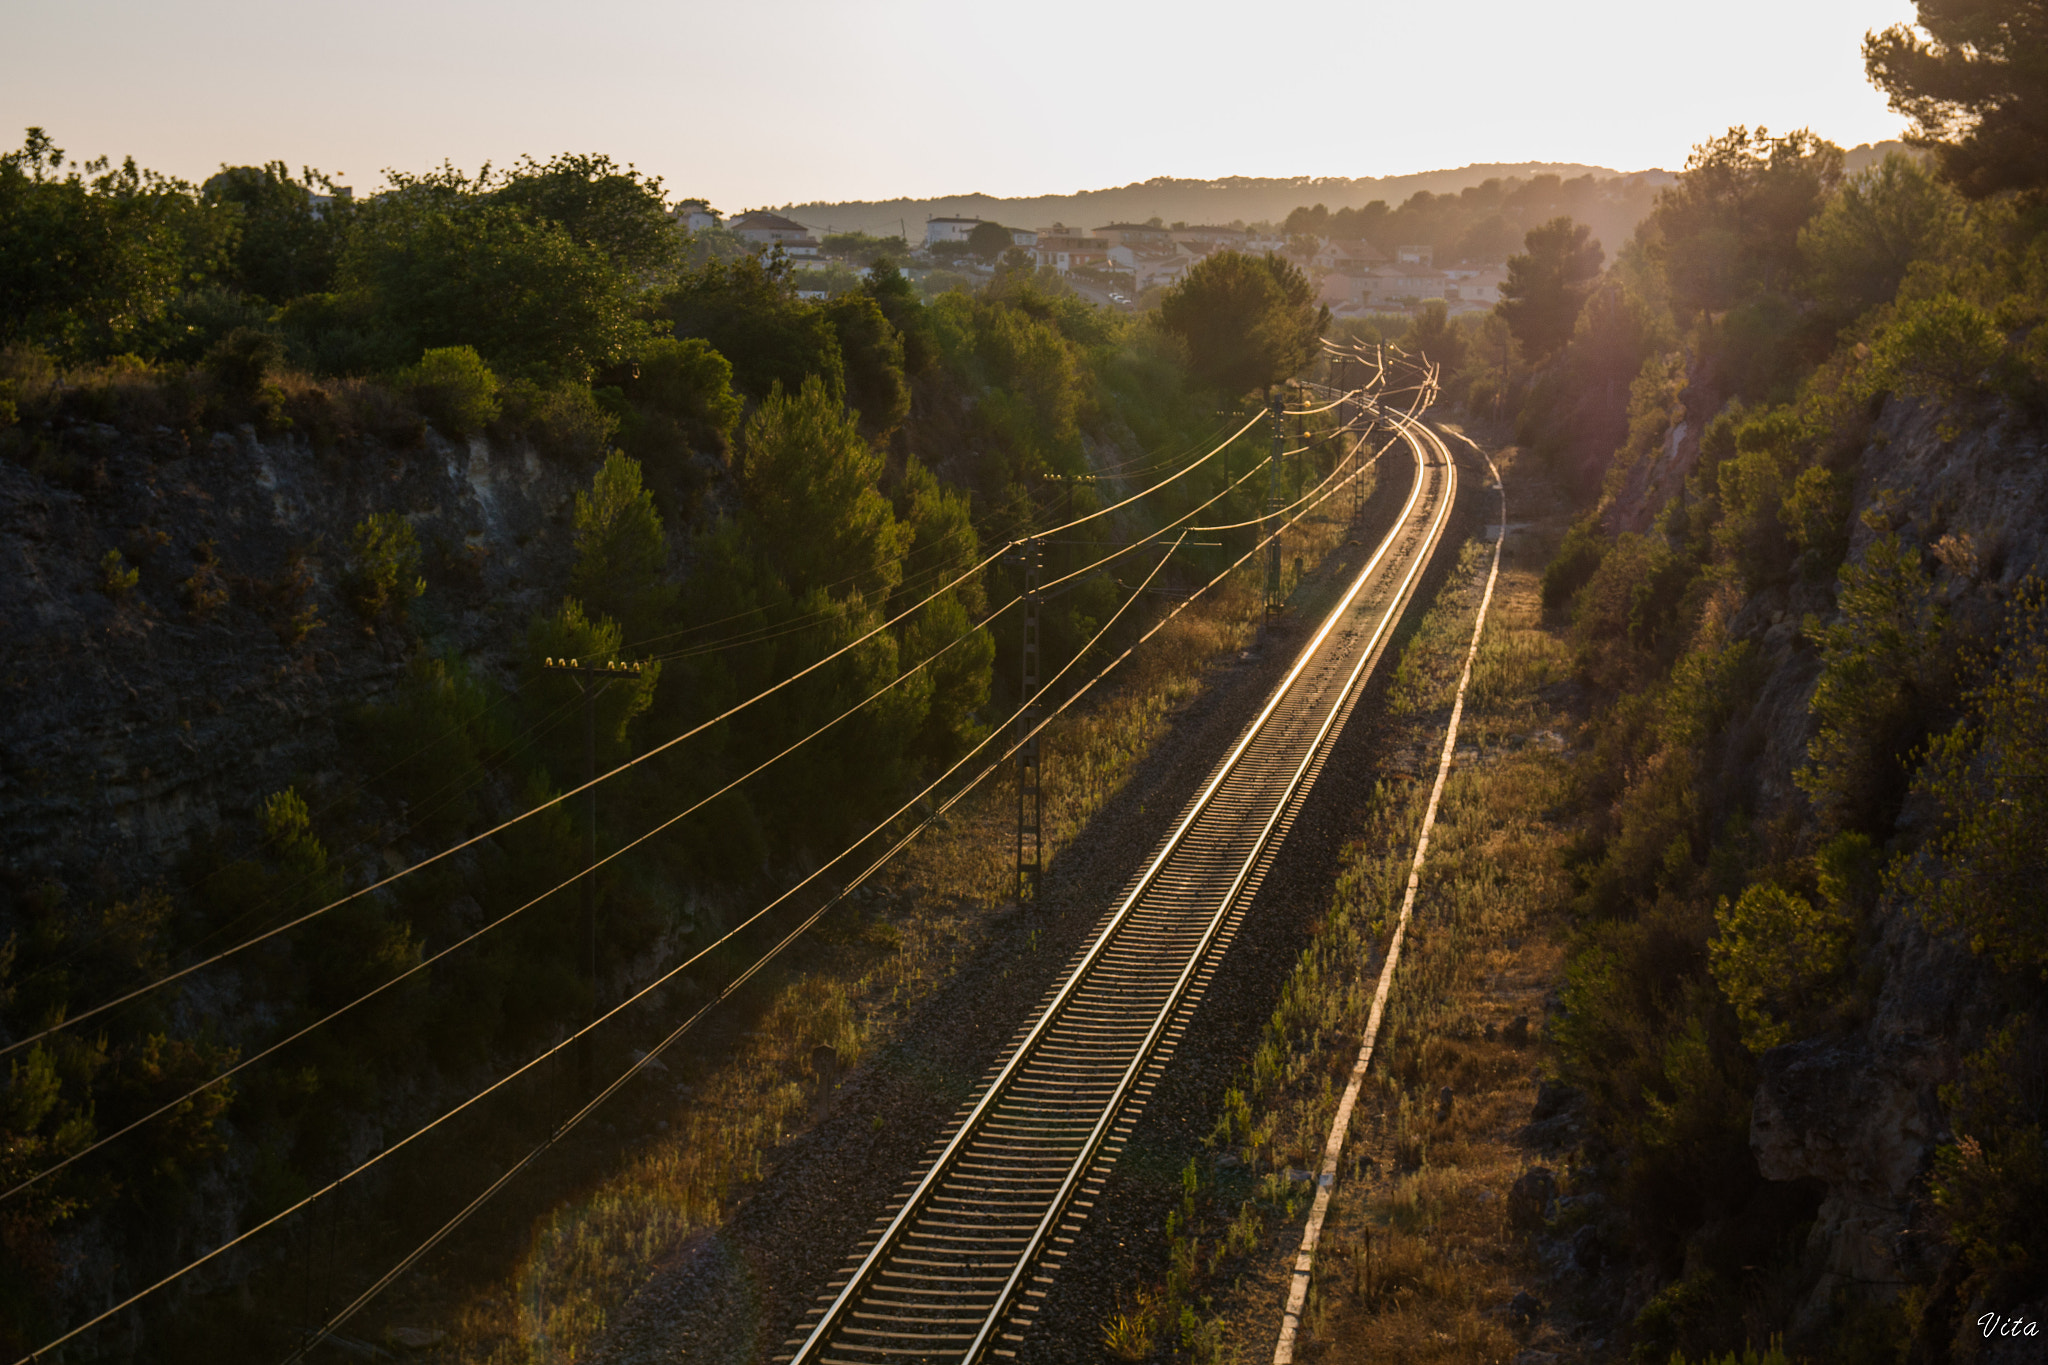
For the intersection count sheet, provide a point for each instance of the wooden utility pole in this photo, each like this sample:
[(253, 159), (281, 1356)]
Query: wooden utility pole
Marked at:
[(1030, 792), (591, 679), (1276, 406)]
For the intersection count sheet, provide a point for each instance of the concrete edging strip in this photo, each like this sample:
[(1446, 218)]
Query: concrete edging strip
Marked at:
[(1340, 1126)]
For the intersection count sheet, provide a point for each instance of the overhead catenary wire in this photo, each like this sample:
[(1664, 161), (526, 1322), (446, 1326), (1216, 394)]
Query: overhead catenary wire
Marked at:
[(656, 984), (179, 974), (651, 1054), (273, 1048), (415, 969), (74, 1020), (440, 1234)]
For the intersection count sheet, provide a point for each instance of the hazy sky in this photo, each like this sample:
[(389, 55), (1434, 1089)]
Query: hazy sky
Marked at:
[(753, 103)]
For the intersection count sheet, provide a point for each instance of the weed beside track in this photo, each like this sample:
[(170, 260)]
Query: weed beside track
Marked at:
[(1421, 1257)]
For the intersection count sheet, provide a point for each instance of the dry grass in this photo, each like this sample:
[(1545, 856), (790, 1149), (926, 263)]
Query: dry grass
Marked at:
[(1417, 1260)]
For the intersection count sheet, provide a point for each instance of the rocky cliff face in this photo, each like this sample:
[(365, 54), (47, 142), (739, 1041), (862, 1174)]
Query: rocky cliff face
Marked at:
[(139, 717), (1859, 1109)]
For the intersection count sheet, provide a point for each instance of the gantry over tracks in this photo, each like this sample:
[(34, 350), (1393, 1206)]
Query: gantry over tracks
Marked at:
[(955, 1271)]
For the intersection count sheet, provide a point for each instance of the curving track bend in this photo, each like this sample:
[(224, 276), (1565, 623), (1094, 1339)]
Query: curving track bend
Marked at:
[(957, 1267)]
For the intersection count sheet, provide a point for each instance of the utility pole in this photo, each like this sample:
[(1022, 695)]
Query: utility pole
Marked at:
[(1030, 792), (1067, 481), (591, 679), (1276, 405)]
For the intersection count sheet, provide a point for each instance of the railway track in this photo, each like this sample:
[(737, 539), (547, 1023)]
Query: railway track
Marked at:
[(957, 1267)]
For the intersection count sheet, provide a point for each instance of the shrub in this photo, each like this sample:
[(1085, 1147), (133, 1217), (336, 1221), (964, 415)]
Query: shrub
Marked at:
[(384, 567), (1941, 348), (206, 591), (566, 422), (117, 577), (454, 387), (689, 381), (1878, 686), (1577, 560), (1774, 952)]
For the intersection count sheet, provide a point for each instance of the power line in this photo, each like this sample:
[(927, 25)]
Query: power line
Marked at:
[(505, 918), (413, 1257), (557, 1048), (670, 975), (422, 965), (181, 973), (498, 828)]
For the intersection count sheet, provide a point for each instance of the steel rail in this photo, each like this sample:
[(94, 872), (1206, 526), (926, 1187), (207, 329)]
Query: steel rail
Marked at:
[(842, 1316)]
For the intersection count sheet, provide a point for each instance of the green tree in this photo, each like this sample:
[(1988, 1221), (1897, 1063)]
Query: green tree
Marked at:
[(687, 381), (897, 297), (602, 205), (1249, 321), (809, 480), (872, 351), (92, 257), (1548, 284), (1939, 348), (284, 248), (989, 240), (1859, 247), (1729, 228), (1879, 685), (621, 549), (1974, 80), (1436, 338), (436, 264), (750, 313)]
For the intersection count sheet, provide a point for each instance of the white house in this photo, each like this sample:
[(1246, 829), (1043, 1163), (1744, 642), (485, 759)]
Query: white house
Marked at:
[(695, 215), (1024, 237), (1414, 255), (938, 230), (1151, 265), (765, 229)]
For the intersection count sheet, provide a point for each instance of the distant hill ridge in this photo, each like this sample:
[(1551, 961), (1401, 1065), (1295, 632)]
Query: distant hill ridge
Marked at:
[(1238, 198), (1246, 198)]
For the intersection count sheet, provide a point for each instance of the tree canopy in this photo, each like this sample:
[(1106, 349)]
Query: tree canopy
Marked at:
[(989, 240), (434, 266), (1249, 321), (93, 257), (602, 205), (1548, 284), (1974, 80)]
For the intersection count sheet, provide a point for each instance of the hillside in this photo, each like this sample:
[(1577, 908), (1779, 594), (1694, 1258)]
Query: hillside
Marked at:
[(1234, 199)]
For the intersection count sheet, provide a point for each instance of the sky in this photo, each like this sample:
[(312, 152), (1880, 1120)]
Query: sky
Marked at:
[(753, 104)]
